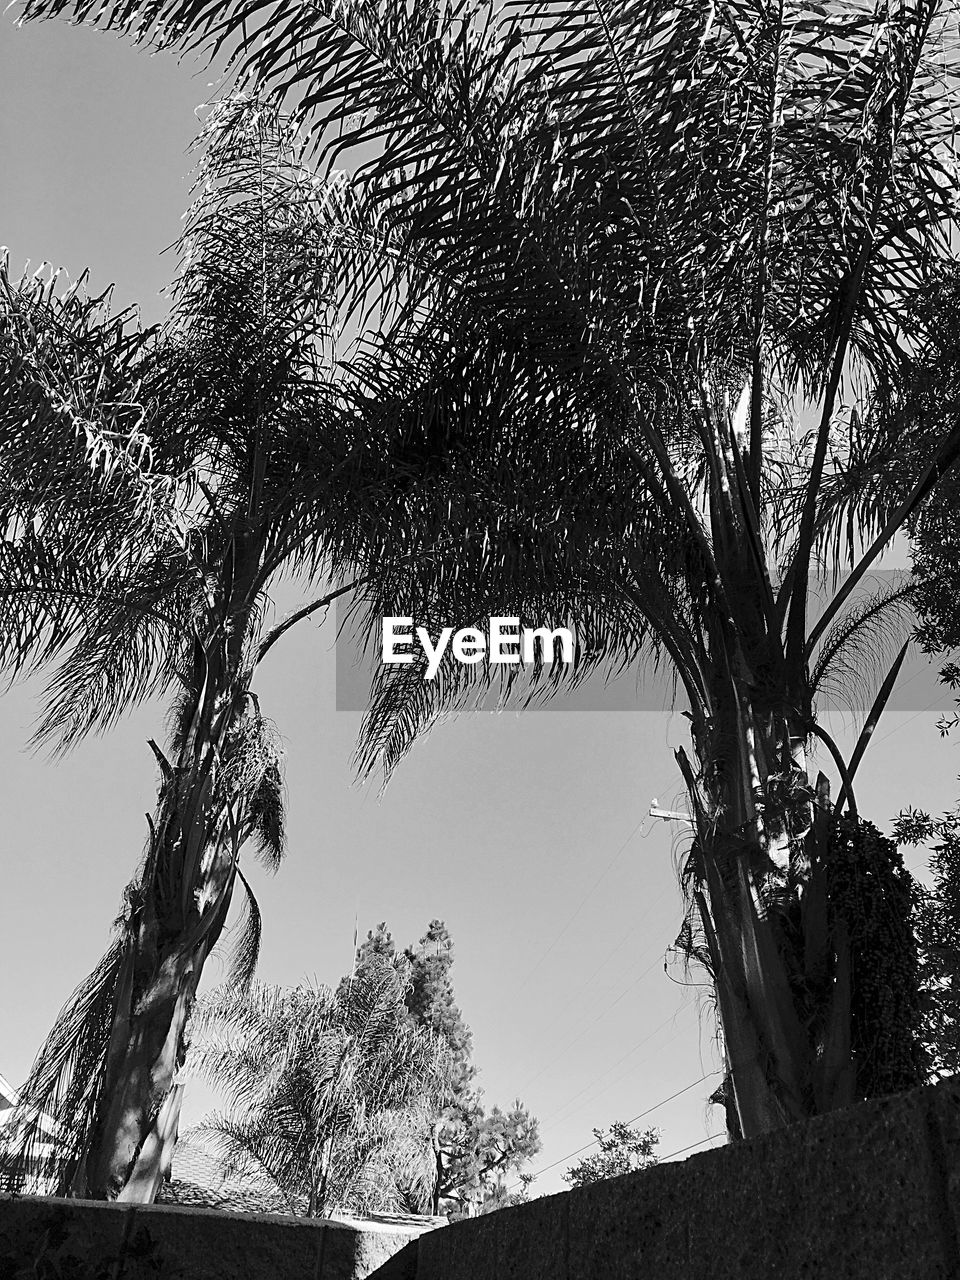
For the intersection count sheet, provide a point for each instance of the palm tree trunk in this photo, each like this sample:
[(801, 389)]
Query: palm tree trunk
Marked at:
[(780, 963), (132, 1146), (178, 910), (176, 913)]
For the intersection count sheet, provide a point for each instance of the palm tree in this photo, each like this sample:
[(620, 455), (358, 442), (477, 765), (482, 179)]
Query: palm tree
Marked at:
[(154, 485), (81, 499), (665, 263), (331, 1094)]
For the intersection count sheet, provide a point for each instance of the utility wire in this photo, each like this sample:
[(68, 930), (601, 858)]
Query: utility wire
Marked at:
[(628, 936), (590, 1025), (662, 1103), (924, 711), (589, 894), (702, 1143), (565, 1110), (583, 902)]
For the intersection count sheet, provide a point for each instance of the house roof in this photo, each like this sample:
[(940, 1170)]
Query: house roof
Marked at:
[(197, 1180), (8, 1094), (10, 1099)]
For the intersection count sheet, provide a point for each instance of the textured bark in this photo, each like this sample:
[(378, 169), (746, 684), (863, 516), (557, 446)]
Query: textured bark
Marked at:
[(176, 912), (136, 1123), (133, 1147), (780, 964)]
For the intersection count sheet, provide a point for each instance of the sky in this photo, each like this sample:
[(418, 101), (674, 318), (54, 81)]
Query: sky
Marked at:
[(529, 835)]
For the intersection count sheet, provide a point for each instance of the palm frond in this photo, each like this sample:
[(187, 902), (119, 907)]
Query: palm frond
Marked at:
[(64, 1083), (856, 651), (83, 496), (324, 1088)]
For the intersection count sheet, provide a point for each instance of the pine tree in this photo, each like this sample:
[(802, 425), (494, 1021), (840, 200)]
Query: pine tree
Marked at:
[(432, 1004), (379, 942), (474, 1152)]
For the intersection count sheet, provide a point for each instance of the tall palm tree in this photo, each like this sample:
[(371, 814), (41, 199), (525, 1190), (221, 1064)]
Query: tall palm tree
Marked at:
[(332, 1095), (153, 486), (665, 263)]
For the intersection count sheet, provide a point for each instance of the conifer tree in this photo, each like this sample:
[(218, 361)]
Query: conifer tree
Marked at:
[(474, 1152)]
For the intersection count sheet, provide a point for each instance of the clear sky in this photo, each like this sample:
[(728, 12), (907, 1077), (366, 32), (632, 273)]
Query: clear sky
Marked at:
[(528, 835)]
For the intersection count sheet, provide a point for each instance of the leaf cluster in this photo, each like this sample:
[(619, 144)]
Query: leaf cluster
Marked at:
[(329, 1092), (622, 1150)]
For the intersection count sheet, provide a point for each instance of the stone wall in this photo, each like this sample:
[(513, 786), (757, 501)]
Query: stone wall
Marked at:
[(872, 1193), (163, 1242), (866, 1194)]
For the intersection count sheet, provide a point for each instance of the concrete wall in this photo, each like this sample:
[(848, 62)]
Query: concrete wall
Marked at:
[(162, 1242), (872, 1193), (866, 1194)]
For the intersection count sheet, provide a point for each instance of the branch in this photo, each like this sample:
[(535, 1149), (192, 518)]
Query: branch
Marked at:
[(847, 792), (876, 711), (946, 457), (305, 612)]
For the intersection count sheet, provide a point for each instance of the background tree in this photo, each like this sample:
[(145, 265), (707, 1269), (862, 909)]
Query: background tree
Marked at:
[(432, 1004), (937, 909), (182, 470), (937, 925), (331, 1094), (622, 1150), (935, 549), (664, 264), (474, 1152), (480, 1155)]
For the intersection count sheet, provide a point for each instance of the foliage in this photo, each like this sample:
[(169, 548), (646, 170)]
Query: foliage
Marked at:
[(935, 540), (331, 1093), (475, 1152), (432, 1004), (622, 1150), (873, 895), (655, 347), (479, 1155), (152, 486), (935, 553), (937, 925), (62, 1258)]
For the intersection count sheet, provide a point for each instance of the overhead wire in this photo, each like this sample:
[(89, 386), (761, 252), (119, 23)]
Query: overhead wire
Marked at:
[(590, 1025), (703, 1141), (569, 1000), (648, 1111), (565, 1111), (582, 903), (644, 820), (618, 946)]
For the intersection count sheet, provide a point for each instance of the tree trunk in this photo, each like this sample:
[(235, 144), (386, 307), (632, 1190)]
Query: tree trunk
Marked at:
[(780, 962), (132, 1147), (176, 912)]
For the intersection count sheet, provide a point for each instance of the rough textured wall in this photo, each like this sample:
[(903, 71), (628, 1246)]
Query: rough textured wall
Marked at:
[(871, 1193), (96, 1241)]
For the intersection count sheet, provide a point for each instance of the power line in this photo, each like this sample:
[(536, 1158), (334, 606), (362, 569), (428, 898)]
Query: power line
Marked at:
[(590, 1025), (685, 1089), (565, 1111), (618, 946), (662, 1103), (583, 902), (702, 1143), (590, 892)]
